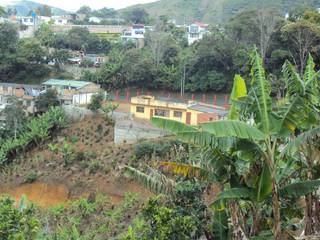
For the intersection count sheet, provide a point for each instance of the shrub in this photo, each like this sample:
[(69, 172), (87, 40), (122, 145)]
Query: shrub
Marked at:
[(96, 102), (94, 166), (74, 139), (18, 222), (147, 149), (31, 177), (80, 156)]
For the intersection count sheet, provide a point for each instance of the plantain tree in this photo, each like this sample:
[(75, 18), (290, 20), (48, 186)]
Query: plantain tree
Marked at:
[(261, 127)]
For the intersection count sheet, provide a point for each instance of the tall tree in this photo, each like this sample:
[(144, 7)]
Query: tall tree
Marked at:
[(15, 117), (137, 15), (302, 36)]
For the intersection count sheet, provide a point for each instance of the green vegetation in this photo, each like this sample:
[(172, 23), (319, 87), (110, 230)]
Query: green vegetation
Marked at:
[(210, 64), (215, 11), (255, 156), (37, 130), (47, 100), (20, 59), (83, 219)]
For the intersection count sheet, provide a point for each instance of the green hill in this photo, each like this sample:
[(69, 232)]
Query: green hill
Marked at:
[(214, 10), (23, 7)]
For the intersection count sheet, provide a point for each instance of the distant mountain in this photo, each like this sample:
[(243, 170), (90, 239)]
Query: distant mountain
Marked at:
[(214, 11), (23, 7)]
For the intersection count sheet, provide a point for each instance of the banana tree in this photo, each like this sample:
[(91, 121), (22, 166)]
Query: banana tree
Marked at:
[(260, 122)]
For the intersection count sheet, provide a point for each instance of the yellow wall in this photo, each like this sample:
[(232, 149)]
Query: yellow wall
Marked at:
[(147, 109)]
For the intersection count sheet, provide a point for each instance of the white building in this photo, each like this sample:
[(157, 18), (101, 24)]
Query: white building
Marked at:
[(196, 31), (60, 20), (135, 34), (94, 20), (27, 21), (137, 31)]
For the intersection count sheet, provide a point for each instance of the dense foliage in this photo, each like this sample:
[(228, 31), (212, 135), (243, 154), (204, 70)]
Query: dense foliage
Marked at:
[(37, 130), (20, 59), (263, 157), (210, 64)]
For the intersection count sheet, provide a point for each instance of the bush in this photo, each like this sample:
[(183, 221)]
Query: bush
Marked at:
[(94, 166), (147, 149), (31, 177), (39, 130), (17, 222), (96, 102)]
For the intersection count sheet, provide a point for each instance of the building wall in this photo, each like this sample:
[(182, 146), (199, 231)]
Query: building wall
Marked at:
[(82, 98), (207, 117), (91, 88), (147, 113)]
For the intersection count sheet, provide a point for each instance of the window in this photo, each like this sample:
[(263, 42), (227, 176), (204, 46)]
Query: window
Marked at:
[(5, 89), (140, 109), (177, 114), (162, 113)]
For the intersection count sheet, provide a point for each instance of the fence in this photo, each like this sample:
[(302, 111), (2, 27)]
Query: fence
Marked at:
[(209, 98)]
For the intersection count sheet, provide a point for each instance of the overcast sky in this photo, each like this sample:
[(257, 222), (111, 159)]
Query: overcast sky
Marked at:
[(73, 5)]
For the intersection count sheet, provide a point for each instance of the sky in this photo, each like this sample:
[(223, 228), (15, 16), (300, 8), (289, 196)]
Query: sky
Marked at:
[(73, 5)]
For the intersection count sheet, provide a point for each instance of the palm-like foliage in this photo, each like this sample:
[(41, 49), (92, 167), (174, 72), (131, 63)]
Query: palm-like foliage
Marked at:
[(264, 126), (38, 130), (154, 180)]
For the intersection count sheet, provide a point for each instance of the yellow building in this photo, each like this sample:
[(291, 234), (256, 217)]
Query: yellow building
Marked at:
[(191, 112)]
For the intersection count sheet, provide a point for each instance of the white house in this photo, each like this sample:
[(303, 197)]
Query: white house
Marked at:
[(196, 31), (27, 21), (60, 20), (137, 31), (94, 20)]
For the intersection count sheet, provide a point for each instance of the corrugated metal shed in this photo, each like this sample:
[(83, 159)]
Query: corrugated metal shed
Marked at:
[(67, 83), (208, 109)]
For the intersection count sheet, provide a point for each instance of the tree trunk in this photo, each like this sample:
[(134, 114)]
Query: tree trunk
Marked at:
[(276, 210), (308, 221), (238, 233), (255, 229)]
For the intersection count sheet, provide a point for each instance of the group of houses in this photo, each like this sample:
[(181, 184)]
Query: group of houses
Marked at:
[(79, 93), (69, 92), (136, 32)]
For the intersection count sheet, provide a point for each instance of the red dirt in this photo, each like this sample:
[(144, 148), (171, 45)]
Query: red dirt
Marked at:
[(57, 183)]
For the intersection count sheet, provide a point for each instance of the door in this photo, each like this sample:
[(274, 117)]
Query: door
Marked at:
[(188, 120), (151, 113)]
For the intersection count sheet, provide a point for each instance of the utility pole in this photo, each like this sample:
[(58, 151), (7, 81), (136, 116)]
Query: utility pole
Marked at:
[(183, 81)]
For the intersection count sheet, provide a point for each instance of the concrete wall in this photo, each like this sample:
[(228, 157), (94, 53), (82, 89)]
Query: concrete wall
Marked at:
[(92, 28), (131, 131)]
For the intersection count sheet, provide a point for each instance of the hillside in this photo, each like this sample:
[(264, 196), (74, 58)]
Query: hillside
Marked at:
[(213, 10), (24, 7)]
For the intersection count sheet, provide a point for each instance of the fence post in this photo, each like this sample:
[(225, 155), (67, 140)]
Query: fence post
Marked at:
[(215, 100), (225, 101), (117, 95), (127, 95), (192, 97), (204, 98)]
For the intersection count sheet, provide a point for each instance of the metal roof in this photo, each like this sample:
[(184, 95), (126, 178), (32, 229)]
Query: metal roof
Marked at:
[(67, 83), (208, 109), (18, 85)]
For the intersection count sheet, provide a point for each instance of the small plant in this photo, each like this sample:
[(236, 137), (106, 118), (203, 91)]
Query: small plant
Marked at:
[(74, 139), (31, 177), (94, 166), (80, 156), (53, 148), (67, 153)]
